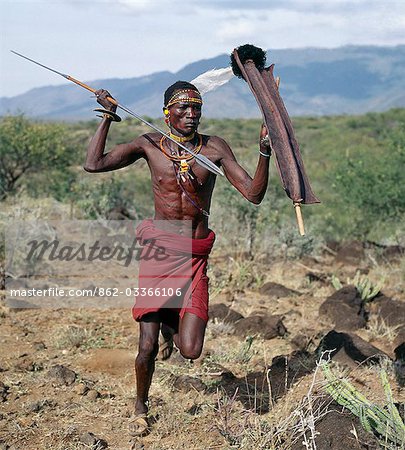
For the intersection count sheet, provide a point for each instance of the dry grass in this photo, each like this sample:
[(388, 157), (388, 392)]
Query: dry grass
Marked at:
[(379, 329)]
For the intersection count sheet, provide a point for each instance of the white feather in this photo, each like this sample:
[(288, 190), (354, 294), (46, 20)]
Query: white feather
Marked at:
[(212, 79)]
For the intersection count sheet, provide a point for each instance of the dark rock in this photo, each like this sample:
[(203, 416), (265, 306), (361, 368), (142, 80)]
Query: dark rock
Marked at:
[(400, 339), (345, 309), (4, 392), (388, 309), (399, 364), (350, 254), (320, 277), (267, 326), (224, 313), (92, 441), (38, 406), (393, 253), (285, 370), (119, 213), (348, 347), (62, 375), (334, 432), (400, 351), (27, 365), (185, 383), (275, 290), (305, 338)]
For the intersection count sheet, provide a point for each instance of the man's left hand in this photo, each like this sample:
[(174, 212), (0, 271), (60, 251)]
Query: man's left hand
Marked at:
[(264, 140)]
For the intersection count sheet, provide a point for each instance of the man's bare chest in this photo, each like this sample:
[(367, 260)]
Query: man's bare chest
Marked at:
[(179, 166)]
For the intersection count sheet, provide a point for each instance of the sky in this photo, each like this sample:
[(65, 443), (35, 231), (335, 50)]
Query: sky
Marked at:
[(98, 39)]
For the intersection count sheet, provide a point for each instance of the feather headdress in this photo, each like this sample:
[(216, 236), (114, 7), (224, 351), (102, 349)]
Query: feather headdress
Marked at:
[(212, 79)]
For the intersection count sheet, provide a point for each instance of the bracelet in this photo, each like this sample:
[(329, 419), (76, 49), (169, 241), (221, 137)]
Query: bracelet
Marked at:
[(107, 114), (266, 155)]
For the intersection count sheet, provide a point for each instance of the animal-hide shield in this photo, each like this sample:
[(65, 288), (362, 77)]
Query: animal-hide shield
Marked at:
[(286, 149)]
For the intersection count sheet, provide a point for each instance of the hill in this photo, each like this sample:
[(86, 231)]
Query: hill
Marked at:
[(314, 81)]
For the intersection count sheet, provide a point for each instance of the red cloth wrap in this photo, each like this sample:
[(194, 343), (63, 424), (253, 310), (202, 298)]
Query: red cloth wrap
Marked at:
[(183, 266)]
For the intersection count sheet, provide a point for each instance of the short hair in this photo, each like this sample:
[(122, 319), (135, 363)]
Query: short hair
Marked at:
[(175, 87)]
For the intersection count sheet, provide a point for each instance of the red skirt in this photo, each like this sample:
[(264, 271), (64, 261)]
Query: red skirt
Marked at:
[(172, 272)]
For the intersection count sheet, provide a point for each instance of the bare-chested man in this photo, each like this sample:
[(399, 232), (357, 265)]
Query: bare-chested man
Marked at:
[(182, 191)]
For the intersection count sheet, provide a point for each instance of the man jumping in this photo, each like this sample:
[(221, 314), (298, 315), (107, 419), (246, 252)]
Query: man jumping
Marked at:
[(182, 192)]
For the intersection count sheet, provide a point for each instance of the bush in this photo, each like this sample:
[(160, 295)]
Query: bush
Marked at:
[(28, 147)]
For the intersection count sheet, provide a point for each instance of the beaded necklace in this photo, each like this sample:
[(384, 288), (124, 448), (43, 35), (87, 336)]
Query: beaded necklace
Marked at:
[(181, 161), (182, 139)]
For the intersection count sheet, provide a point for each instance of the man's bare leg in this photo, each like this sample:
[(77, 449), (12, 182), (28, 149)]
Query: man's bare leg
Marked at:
[(166, 341), (190, 339), (145, 361)]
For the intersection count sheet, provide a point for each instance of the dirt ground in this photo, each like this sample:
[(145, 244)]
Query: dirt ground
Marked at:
[(221, 401)]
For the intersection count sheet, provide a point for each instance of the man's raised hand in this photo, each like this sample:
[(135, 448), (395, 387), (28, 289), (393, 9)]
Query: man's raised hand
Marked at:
[(102, 95), (264, 140)]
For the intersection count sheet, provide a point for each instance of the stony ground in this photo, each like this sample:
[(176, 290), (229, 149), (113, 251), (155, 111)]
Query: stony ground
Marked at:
[(67, 378)]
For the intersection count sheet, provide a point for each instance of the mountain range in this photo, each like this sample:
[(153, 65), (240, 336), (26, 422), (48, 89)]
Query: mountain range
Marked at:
[(314, 81)]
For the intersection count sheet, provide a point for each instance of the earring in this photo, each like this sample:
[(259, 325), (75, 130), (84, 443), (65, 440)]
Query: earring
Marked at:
[(167, 118)]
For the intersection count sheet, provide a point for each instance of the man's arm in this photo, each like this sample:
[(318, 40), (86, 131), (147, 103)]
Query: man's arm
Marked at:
[(119, 156), (253, 189)]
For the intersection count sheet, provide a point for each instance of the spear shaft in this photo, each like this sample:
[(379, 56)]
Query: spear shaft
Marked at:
[(201, 159)]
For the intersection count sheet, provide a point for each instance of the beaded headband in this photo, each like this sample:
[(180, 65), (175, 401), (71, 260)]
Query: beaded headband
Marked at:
[(174, 98)]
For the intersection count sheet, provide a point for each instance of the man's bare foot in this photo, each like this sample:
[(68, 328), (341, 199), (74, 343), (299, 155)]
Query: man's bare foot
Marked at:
[(139, 425), (165, 342)]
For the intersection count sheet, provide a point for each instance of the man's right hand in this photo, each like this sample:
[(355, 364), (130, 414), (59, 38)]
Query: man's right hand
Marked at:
[(102, 95)]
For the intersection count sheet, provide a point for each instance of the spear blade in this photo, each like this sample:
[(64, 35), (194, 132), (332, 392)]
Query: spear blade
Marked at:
[(39, 64), (201, 159)]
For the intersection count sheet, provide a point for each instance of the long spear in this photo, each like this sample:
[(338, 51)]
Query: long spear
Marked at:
[(201, 159)]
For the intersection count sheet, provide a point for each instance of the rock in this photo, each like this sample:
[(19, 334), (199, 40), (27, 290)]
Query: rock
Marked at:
[(350, 254), (4, 392), (345, 309), (393, 253), (27, 365), (92, 441), (287, 369), (347, 348), (400, 352), (218, 372), (62, 375), (185, 383), (400, 339), (391, 311), (80, 389), (119, 213), (267, 326), (92, 395), (399, 364), (38, 346), (334, 431), (38, 406), (275, 290), (320, 277), (224, 313)]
